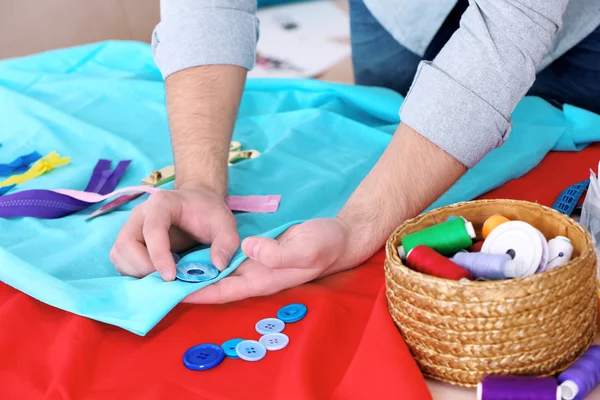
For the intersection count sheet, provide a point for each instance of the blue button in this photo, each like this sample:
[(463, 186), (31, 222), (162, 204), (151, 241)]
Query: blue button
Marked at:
[(203, 356), (192, 271), (292, 312), (250, 350), (229, 347)]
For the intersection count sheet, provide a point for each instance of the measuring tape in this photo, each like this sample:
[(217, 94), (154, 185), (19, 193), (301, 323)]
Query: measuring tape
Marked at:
[(568, 199)]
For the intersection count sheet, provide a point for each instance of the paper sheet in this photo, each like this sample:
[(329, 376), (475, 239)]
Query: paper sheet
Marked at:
[(300, 40)]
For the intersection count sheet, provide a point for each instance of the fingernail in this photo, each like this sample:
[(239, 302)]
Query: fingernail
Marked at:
[(224, 259), (252, 247), (166, 274)]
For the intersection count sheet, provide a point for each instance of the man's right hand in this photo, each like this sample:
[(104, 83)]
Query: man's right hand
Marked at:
[(173, 221)]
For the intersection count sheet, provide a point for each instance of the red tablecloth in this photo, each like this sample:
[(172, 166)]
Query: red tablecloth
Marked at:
[(347, 347)]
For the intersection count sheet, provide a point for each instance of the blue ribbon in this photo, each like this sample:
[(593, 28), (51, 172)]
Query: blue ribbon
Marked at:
[(6, 189), (21, 164)]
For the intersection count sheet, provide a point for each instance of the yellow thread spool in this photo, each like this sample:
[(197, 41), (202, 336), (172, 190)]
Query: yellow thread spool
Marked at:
[(492, 223)]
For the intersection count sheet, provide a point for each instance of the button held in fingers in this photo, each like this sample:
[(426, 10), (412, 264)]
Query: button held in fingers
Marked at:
[(193, 271)]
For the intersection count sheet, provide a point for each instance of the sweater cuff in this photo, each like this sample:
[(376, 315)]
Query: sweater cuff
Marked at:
[(452, 117), (206, 37)]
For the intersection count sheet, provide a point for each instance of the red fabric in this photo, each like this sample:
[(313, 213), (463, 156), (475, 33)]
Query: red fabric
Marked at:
[(347, 347)]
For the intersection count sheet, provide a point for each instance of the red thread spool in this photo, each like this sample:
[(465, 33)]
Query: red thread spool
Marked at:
[(476, 248), (428, 261)]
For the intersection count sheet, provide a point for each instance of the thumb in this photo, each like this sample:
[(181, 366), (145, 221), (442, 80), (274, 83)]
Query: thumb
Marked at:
[(224, 245), (276, 254)]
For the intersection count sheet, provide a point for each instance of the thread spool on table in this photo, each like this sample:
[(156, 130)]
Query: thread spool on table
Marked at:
[(582, 376), (518, 388)]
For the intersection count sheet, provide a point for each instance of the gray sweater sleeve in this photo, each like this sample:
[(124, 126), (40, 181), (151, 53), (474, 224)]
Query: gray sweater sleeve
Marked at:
[(204, 32), (463, 99)]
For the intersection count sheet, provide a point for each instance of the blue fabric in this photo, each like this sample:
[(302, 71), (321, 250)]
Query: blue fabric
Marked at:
[(317, 141)]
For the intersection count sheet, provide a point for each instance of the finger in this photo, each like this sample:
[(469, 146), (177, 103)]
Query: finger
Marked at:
[(135, 262), (158, 221), (224, 242), (128, 254), (293, 251)]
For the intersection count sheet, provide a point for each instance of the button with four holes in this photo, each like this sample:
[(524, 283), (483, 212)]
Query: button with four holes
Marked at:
[(203, 357), (274, 341), (229, 347), (292, 312), (269, 325), (250, 350)]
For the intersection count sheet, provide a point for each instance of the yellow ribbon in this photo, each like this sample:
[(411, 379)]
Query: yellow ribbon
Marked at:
[(40, 167)]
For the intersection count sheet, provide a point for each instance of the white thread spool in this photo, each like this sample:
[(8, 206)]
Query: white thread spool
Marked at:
[(522, 241), (560, 251)]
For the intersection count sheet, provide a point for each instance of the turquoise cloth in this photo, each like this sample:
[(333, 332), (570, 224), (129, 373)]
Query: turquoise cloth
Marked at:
[(317, 141)]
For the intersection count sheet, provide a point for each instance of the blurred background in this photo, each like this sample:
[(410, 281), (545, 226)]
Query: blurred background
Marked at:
[(320, 50)]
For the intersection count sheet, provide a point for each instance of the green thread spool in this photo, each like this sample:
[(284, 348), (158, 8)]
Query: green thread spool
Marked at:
[(446, 238)]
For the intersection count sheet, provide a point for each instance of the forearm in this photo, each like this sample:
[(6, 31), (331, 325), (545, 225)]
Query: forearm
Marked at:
[(202, 104), (410, 175), (204, 49)]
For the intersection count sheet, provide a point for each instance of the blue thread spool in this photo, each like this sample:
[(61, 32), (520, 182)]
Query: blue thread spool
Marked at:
[(488, 266)]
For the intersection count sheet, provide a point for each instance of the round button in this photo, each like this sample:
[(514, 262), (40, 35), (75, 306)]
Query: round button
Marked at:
[(274, 341), (196, 272), (250, 350), (229, 347), (292, 313), (269, 325), (203, 356)]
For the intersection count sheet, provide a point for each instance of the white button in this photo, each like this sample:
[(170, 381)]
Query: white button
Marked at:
[(274, 341), (250, 350), (269, 325)]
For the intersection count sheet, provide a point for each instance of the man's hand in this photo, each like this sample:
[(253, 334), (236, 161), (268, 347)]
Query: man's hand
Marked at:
[(202, 104), (409, 176), (174, 221), (301, 254)]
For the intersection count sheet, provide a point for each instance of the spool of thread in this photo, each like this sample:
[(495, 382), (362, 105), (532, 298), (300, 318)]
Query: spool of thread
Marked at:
[(492, 223), (476, 247), (521, 241), (560, 252), (486, 265), (495, 387), (446, 238), (428, 261), (582, 376)]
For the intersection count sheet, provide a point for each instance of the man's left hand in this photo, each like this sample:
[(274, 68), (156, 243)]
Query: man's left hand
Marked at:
[(301, 254)]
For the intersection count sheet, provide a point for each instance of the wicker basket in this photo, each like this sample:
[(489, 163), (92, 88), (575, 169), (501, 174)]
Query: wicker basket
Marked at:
[(459, 332)]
